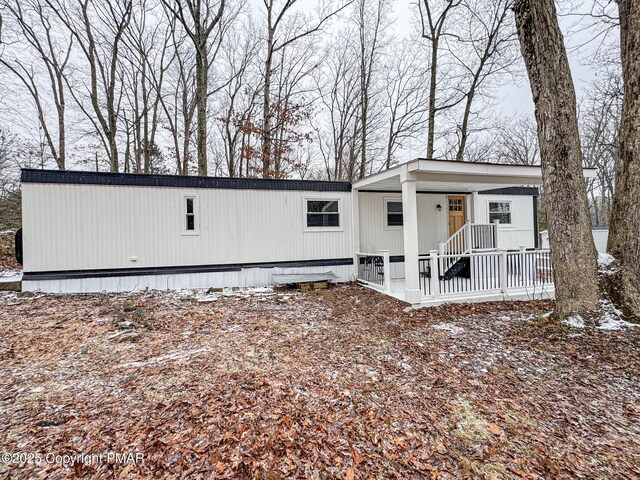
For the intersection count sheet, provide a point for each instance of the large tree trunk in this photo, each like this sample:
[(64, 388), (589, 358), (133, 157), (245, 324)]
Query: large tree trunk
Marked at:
[(624, 230), (572, 248)]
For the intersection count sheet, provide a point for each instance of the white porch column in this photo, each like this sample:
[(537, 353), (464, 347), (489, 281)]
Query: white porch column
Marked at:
[(355, 228), (476, 202), (410, 234)]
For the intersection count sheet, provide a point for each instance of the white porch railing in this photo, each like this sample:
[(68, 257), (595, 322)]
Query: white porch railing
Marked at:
[(374, 269), (469, 237), (500, 271)]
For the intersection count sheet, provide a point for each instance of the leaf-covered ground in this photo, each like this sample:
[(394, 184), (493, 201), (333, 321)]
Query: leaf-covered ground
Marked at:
[(331, 384), (7, 252)]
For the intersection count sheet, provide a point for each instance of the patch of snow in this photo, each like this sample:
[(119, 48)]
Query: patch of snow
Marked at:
[(208, 298), (605, 259), (165, 358), (453, 329), (574, 321), (611, 318), (10, 276)]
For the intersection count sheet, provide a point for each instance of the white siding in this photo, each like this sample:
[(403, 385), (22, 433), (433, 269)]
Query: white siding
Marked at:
[(521, 230), (74, 227), (433, 224)]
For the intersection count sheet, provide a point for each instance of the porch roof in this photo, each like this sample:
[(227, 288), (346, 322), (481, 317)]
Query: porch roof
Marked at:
[(453, 176)]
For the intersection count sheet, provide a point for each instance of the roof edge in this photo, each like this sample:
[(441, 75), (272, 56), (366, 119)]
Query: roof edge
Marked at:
[(71, 177)]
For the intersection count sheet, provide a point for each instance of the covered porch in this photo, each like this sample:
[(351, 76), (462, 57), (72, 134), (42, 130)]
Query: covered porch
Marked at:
[(441, 238)]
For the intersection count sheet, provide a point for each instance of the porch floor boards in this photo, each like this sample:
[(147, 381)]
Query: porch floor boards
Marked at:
[(537, 292)]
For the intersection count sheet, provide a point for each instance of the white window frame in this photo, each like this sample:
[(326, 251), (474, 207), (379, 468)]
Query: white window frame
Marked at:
[(386, 213), (489, 202), (196, 214), (340, 226)]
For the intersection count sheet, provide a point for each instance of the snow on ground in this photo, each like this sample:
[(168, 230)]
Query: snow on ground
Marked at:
[(454, 330), (574, 321), (611, 317)]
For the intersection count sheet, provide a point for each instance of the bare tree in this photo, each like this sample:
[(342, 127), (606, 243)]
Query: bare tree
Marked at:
[(572, 247), (148, 56), (599, 115), (98, 28), (338, 87), (624, 230), (178, 101), (492, 40), (517, 142), (239, 96), (285, 26), (34, 27), (434, 29), (199, 21), (406, 101), (372, 21)]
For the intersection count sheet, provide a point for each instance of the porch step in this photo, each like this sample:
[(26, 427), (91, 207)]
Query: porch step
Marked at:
[(462, 268)]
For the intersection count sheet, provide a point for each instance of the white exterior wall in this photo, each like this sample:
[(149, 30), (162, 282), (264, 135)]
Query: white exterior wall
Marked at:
[(77, 227), (374, 235), (600, 238), (433, 225), (521, 230)]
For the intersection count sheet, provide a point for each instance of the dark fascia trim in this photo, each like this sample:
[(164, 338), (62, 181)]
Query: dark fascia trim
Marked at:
[(130, 272), (178, 181), (422, 192), (524, 191)]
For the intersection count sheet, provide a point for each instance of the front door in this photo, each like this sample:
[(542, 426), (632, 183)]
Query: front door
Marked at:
[(456, 213)]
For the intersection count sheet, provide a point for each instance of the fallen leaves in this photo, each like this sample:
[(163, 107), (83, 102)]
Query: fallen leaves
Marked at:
[(333, 384)]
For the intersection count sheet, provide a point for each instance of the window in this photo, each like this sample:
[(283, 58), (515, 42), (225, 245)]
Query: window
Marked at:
[(189, 215), (394, 213), (322, 214), (500, 211), (456, 204)]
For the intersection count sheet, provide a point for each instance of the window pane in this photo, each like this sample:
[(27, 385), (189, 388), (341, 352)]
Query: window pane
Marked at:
[(394, 220), (394, 207), (191, 224), (323, 220), (315, 206), (503, 217), (499, 206), (189, 205)]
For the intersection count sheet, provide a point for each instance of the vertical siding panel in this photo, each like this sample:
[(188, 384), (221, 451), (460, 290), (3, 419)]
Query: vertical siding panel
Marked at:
[(69, 227)]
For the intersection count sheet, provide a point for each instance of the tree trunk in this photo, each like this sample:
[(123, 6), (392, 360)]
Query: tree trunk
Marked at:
[(572, 248), (266, 112), (624, 229), (202, 92), (432, 98)]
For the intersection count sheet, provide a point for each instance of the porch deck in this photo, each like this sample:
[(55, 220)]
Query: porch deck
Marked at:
[(482, 276), (531, 292)]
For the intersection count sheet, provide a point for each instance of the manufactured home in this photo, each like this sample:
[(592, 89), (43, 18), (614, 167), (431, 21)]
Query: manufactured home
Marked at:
[(426, 231)]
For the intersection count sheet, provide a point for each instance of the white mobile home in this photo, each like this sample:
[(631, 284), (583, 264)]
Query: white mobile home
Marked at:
[(87, 232)]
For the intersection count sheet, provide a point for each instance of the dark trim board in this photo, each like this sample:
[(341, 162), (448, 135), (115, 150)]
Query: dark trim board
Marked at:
[(525, 191), (516, 191), (178, 181), (536, 227), (145, 271), (397, 192)]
